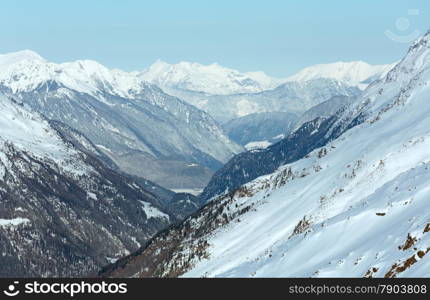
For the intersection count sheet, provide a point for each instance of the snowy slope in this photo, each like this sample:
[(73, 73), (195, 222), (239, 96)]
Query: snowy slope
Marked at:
[(355, 73), (211, 79), (356, 207), (30, 132)]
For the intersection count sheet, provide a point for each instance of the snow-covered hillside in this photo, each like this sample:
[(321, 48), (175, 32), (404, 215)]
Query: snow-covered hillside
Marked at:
[(355, 73), (356, 207), (30, 132), (353, 208)]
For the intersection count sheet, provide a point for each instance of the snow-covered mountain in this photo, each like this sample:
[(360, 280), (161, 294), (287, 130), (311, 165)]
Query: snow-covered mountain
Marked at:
[(62, 212), (356, 207), (143, 130), (26, 70), (356, 73), (218, 80), (211, 79)]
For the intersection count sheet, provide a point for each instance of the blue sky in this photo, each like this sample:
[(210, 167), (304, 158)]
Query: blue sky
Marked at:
[(278, 37)]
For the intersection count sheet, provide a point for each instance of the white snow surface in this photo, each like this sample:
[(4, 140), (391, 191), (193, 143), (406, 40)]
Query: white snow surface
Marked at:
[(13, 222), (30, 132), (194, 192), (362, 198), (257, 145), (152, 212)]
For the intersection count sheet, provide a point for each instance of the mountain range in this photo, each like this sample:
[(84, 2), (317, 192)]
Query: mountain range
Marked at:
[(240, 94), (145, 131)]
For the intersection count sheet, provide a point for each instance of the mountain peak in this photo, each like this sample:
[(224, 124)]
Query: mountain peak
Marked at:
[(421, 43), (15, 57), (159, 64), (354, 73)]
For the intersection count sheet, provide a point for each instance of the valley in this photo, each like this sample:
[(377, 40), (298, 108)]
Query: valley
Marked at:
[(192, 170)]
